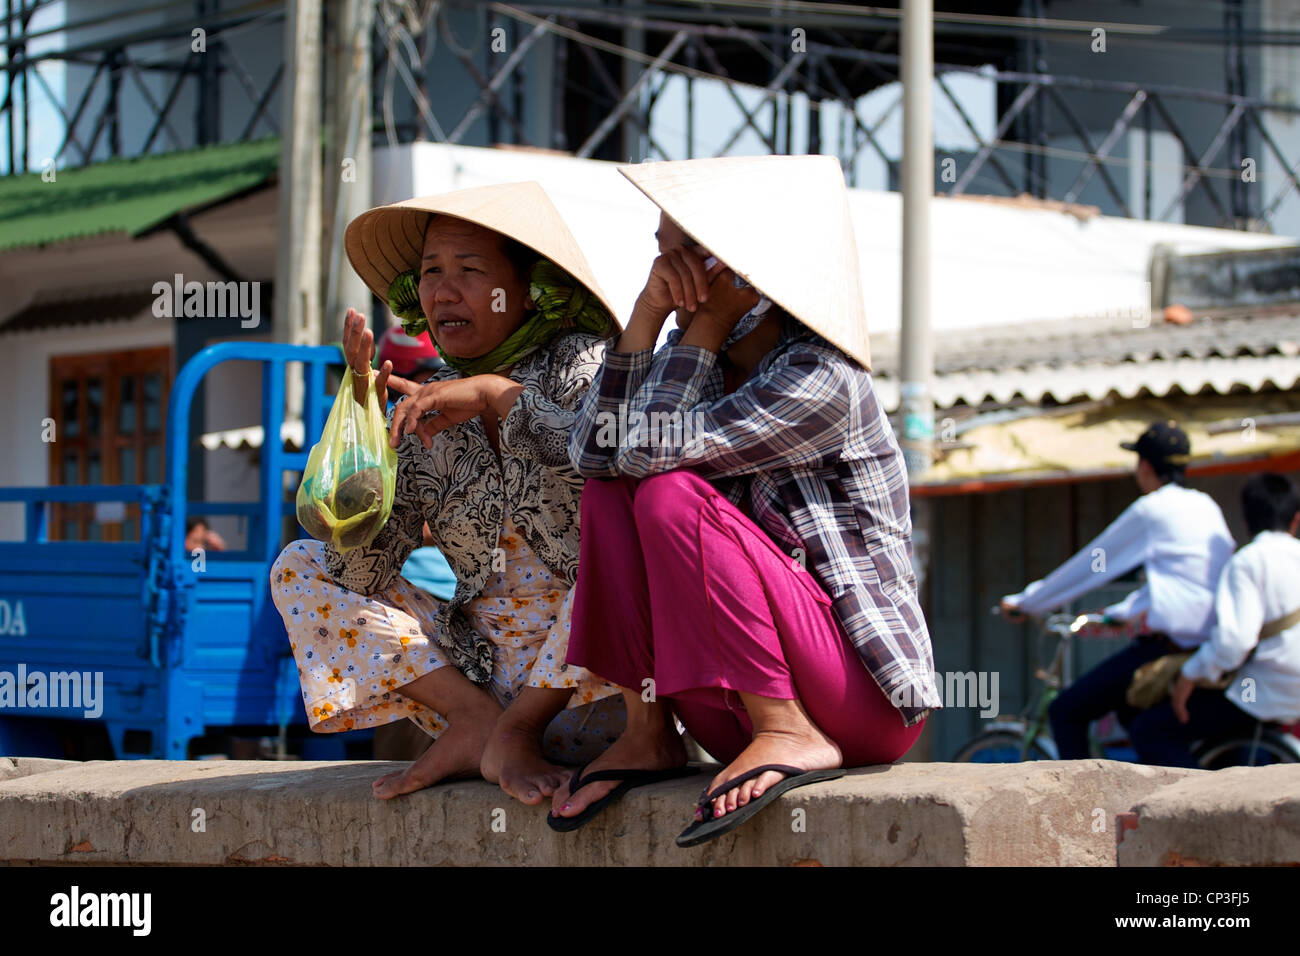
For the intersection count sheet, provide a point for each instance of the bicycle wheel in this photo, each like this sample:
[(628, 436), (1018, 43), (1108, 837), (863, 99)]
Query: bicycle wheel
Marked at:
[(1215, 754), (999, 746)]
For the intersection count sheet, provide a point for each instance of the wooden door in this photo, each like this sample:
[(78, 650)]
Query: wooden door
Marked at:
[(110, 413)]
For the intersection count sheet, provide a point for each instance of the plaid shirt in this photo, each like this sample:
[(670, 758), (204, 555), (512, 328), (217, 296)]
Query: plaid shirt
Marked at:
[(807, 440)]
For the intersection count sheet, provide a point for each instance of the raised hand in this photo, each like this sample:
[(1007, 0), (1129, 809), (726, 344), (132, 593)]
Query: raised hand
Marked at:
[(678, 280), (727, 305), (359, 349)]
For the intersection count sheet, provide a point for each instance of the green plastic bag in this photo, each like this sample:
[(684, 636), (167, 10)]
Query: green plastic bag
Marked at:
[(347, 489)]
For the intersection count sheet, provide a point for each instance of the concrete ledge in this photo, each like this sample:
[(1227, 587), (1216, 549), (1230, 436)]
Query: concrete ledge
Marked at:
[(255, 812), (14, 767), (1241, 816)]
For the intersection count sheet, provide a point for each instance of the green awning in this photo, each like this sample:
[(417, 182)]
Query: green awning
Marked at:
[(128, 195)]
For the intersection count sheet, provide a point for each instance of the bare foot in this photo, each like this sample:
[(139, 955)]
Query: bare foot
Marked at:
[(652, 746), (513, 758), (454, 755), (800, 744)]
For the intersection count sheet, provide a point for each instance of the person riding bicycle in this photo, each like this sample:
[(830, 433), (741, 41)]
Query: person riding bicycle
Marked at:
[(1179, 537), (1257, 612)]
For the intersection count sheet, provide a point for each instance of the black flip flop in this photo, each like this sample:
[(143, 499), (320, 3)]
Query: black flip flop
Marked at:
[(701, 831), (631, 779)]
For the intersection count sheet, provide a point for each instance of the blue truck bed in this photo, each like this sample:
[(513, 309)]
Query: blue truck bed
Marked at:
[(182, 648)]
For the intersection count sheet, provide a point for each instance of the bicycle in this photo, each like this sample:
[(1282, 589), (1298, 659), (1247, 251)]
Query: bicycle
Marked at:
[(1028, 736)]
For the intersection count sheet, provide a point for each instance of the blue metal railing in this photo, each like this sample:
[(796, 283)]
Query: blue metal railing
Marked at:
[(264, 530)]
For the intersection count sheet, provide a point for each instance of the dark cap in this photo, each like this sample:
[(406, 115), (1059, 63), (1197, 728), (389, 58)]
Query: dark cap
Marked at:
[(1162, 442)]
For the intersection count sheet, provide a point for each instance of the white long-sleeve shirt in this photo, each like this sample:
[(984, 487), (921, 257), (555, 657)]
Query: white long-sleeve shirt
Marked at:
[(1260, 584), (1178, 535)]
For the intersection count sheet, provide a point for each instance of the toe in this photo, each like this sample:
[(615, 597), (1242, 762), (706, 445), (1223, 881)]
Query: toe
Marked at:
[(554, 781), (587, 796), (559, 799), (386, 787), (549, 783), (769, 779)]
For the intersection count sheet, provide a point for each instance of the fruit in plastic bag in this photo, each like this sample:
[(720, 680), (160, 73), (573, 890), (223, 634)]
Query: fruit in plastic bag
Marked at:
[(346, 494)]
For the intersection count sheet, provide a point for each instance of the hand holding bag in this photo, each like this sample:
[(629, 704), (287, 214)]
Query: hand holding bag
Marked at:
[(347, 488)]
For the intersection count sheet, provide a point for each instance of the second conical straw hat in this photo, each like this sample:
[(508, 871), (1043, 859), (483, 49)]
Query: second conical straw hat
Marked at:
[(781, 223), (388, 240)]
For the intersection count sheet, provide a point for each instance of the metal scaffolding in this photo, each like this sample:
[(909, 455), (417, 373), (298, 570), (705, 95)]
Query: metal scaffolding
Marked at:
[(608, 67)]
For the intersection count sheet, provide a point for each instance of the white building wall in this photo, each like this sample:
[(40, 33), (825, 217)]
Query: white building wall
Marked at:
[(993, 263)]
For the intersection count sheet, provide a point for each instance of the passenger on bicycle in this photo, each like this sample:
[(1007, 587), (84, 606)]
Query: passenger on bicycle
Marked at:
[(1257, 611), (1178, 536)]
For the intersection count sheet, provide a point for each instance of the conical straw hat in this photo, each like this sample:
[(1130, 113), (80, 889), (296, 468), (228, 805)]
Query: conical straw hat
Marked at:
[(388, 240), (781, 223)]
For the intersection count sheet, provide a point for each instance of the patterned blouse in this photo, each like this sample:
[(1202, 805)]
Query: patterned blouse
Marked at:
[(465, 494), (806, 442)]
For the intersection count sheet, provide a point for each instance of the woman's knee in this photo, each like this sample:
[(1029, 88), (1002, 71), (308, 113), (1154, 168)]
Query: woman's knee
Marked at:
[(599, 495), (668, 497), (298, 558)]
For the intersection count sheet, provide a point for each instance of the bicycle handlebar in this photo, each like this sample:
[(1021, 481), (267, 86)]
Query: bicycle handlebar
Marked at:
[(1064, 620)]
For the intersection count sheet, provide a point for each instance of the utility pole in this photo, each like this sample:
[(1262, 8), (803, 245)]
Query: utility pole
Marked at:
[(634, 148), (916, 407), (347, 165), (297, 317)]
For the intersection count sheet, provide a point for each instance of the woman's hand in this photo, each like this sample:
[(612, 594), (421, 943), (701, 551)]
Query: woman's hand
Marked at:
[(678, 280), (454, 401), (359, 349), (727, 305)]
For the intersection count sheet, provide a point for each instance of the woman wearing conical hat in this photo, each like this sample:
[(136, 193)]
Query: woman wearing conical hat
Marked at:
[(746, 549), (494, 277)]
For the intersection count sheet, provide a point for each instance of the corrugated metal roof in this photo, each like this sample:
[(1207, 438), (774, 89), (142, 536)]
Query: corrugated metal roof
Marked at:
[(1093, 357), (128, 195), (1085, 440), (78, 309)]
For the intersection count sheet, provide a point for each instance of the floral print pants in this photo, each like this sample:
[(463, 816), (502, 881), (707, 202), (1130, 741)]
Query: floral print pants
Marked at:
[(354, 651)]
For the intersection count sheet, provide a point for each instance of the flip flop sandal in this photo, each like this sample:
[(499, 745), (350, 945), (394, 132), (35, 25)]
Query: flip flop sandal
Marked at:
[(631, 780), (701, 831)]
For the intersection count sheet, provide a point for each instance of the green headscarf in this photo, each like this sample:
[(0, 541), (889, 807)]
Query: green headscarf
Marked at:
[(561, 303)]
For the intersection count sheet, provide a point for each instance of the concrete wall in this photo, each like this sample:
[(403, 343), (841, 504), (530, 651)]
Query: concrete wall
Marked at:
[(1034, 814)]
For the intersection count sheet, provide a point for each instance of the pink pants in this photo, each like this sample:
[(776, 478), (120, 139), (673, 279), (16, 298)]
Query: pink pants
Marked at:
[(678, 585)]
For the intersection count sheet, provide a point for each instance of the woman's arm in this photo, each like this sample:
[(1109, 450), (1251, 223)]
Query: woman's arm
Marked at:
[(592, 440), (795, 414), (537, 424), (678, 280)]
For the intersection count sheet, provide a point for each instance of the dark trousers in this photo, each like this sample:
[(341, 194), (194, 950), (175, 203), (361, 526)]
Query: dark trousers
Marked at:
[(1097, 693), (1161, 740)]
